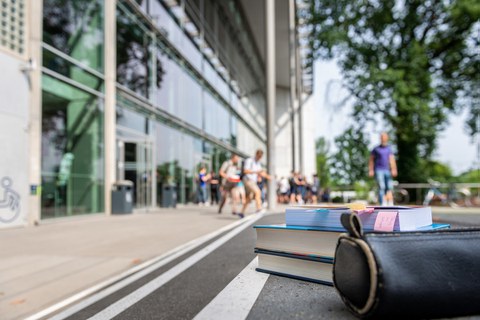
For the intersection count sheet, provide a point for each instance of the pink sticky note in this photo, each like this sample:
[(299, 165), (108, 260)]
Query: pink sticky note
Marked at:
[(385, 221)]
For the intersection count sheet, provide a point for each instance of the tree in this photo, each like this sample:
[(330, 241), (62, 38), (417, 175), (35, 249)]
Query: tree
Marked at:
[(322, 149), (412, 62), (350, 163)]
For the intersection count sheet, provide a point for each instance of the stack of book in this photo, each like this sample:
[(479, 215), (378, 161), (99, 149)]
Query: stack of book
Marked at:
[(304, 247)]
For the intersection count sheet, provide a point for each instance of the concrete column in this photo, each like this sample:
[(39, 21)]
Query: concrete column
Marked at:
[(110, 101), (300, 102), (270, 97), (293, 84), (300, 136), (35, 18)]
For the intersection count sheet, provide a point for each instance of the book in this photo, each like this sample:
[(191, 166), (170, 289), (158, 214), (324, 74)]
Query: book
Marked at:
[(406, 219), (298, 240), (305, 253), (309, 241), (307, 268)]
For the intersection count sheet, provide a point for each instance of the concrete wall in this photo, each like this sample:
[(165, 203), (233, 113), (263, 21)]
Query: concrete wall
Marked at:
[(14, 97)]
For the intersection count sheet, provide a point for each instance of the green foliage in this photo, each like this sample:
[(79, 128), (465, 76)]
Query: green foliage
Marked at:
[(472, 176), (350, 163), (322, 150), (361, 189), (437, 171), (412, 62)]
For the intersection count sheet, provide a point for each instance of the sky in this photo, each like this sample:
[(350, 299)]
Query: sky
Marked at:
[(455, 147)]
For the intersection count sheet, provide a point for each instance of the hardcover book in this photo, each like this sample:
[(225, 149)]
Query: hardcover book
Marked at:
[(314, 241), (405, 219), (307, 268)]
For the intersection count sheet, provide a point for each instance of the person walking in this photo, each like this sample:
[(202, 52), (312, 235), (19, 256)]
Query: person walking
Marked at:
[(251, 170), (314, 189), (202, 186), (300, 188), (283, 188), (214, 187), (230, 178), (383, 167), (293, 187)]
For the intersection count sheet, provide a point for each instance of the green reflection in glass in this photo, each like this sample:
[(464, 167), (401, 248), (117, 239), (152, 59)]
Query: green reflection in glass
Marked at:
[(76, 29), (71, 71), (138, 68), (72, 150)]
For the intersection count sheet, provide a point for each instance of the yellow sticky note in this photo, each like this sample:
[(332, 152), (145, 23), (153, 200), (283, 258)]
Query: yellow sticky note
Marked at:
[(357, 206)]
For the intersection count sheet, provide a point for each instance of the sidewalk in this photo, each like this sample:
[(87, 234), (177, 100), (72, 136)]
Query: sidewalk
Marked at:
[(457, 216), (42, 265)]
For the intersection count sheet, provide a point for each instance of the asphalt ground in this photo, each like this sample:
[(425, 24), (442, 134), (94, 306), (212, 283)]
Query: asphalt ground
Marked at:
[(185, 295)]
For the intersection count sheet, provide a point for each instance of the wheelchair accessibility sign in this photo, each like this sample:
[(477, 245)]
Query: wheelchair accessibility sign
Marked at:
[(9, 201)]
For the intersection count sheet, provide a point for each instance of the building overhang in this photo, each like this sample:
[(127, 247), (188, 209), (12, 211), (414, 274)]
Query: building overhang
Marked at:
[(254, 11)]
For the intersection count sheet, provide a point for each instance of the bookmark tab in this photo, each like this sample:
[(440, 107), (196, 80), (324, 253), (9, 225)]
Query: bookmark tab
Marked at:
[(385, 221), (367, 210), (356, 206)]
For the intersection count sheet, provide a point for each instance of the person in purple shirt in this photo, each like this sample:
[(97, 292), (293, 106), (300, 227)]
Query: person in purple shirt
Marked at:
[(382, 165)]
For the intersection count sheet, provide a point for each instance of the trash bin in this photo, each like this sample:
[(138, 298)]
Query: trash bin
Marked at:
[(169, 195), (122, 197)]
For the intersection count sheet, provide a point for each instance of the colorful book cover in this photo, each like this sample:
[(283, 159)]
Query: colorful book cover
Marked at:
[(431, 227), (406, 219)]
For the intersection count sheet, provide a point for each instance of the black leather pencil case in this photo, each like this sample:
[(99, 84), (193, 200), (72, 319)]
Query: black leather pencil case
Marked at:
[(426, 274)]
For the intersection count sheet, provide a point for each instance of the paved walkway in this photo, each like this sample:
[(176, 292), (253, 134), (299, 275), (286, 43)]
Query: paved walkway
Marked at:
[(43, 265), (457, 216)]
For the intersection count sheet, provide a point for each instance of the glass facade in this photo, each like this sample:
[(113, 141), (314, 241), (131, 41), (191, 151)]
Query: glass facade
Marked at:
[(72, 152), (176, 110), (72, 108), (75, 28)]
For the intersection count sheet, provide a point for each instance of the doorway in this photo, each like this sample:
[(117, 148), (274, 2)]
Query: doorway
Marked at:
[(135, 163)]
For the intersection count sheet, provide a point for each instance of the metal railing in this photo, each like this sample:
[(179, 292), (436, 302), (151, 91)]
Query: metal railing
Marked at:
[(420, 189)]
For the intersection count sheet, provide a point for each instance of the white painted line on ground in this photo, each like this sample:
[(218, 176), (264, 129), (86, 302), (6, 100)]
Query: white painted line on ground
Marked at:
[(135, 273), (236, 300), (137, 295)]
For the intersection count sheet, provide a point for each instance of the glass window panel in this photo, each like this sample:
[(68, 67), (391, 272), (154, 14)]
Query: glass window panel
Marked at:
[(179, 93), (211, 111), (217, 118), (71, 71), (166, 160), (177, 156), (130, 119), (133, 53), (174, 33), (235, 102), (223, 124), (233, 131), (76, 29), (72, 150)]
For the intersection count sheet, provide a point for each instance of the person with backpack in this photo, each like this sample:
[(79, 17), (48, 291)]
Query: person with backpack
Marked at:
[(252, 168)]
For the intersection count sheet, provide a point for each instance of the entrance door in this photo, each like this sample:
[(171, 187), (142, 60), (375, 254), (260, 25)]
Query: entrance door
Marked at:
[(134, 163)]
